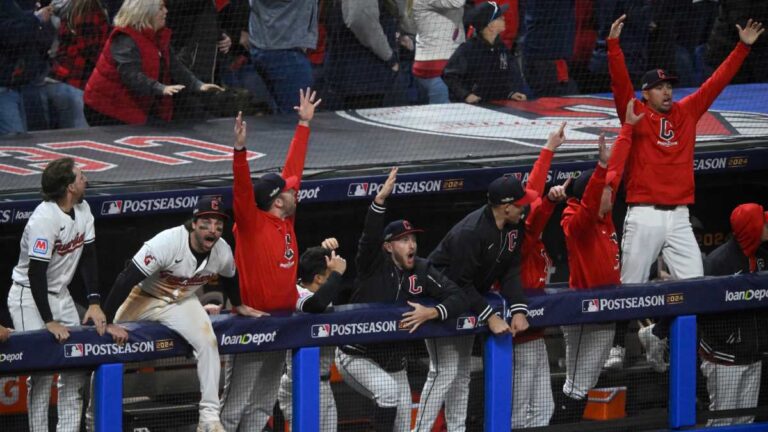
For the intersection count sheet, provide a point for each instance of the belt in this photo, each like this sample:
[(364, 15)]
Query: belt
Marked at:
[(662, 207)]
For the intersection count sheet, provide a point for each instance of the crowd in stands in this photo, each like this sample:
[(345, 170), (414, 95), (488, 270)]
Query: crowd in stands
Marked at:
[(61, 63)]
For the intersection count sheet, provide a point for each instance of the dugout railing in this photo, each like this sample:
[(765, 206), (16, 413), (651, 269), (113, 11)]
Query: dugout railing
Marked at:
[(29, 352)]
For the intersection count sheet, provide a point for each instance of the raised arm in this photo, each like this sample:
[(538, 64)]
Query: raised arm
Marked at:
[(537, 179), (297, 152), (244, 204), (589, 210), (621, 84), (622, 146), (369, 247)]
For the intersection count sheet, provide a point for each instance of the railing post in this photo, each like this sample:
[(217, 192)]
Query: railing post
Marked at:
[(682, 372), (306, 390), (497, 366), (108, 398)]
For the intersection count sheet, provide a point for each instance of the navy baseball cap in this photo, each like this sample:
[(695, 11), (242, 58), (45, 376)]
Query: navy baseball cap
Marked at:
[(209, 206), (655, 76), (484, 13), (578, 185), (508, 190), (399, 228), (269, 186)]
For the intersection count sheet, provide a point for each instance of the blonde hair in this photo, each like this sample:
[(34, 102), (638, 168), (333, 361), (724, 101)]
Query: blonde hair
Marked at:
[(138, 14)]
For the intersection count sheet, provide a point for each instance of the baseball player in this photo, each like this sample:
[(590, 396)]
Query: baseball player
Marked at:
[(732, 344), (58, 238), (160, 282), (478, 252), (593, 260), (266, 254), (320, 271), (389, 271), (659, 181), (532, 403)]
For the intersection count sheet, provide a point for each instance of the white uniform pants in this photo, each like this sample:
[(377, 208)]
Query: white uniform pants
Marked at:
[(26, 317), (328, 416), (386, 389), (251, 382), (732, 387), (448, 381), (532, 403), (187, 318), (586, 348), (648, 232)]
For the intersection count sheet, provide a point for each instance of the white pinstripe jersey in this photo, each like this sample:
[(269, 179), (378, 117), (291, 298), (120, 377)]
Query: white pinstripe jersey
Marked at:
[(54, 237), (171, 268)]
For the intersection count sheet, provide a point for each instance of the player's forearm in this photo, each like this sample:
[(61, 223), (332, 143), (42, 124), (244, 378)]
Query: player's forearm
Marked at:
[(89, 269), (619, 155), (702, 99), (538, 176), (369, 246), (297, 153), (38, 283), (621, 84), (231, 287), (126, 280), (320, 300)]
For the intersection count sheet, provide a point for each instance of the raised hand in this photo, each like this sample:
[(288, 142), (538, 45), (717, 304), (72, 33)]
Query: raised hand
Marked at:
[(330, 243), (616, 27), (604, 153), (336, 263), (557, 193), (556, 138), (386, 190), (750, 32), (240, 131), (307, 105), (631, 117)]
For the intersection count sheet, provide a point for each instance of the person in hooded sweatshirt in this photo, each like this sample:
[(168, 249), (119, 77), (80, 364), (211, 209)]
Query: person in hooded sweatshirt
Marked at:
[(732, 343)]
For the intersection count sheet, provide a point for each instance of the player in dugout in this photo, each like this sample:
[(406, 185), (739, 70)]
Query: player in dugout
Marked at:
[(389, 271), (160, 282), (266, 253)]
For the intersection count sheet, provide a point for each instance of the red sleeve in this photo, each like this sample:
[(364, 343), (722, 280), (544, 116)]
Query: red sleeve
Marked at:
[(619, 154), (541, 211), (297, 153), (699, 101), (242, 190), (588, 212), (537, 179), (621, 84)]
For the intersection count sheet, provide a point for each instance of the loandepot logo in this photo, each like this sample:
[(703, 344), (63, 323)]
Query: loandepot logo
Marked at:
[(328, 330), (85, 350), (748, 295), (248, 339), (598, 305), (11, 357)]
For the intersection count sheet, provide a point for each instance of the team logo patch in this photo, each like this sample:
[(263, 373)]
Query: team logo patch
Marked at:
[(148, 258), (112, 207), (41, 246), (412, 287), (357, 189), (321, 330), (466, 323), (592, 305), (74, 350)]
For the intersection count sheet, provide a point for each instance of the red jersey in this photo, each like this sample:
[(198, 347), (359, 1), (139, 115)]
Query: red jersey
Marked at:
[(660, 165), (535, 264), (266, 251), (593, 248)]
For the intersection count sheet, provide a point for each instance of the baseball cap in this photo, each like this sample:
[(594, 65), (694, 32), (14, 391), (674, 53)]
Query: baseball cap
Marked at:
[(482, 15), (577, 187), (655, 76), (269, 186), (399, 228), (508, 190), (209, 205)]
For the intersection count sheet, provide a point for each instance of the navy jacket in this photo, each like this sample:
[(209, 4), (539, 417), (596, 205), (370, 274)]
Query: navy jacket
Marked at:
[(24, 42)]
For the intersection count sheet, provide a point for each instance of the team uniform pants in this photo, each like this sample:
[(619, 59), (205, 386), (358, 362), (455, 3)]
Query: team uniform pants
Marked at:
[(251, 383), (447, 381), (586, 349), (386, 389), (532, 403), (328, 416), (70, 386), (187, 318), (732, 387), (649, 231)]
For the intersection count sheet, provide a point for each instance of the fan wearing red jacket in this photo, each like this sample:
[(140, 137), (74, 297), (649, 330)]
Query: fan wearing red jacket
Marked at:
[(532, 402), (593, 260), (266, 255), (659, 168)]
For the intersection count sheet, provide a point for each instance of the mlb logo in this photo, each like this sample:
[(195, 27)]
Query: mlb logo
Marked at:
[(592, 305), (321, 330), (73, 350), (41, 246), (466, 323), (112, 207), (357, 190)]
